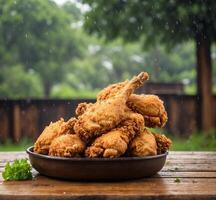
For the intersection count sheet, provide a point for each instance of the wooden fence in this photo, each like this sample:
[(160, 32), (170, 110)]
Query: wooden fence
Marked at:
[(27, 118)]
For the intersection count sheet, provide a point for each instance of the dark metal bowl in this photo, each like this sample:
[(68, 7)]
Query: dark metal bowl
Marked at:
[(85, 169)]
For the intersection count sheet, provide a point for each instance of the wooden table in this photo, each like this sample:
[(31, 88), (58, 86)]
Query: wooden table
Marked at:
[(186, 175)]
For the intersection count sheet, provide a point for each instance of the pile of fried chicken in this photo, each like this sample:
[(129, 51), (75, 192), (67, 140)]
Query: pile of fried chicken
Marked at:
[(115, 125)]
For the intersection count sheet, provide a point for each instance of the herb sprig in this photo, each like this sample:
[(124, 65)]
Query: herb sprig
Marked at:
[(18, 170)]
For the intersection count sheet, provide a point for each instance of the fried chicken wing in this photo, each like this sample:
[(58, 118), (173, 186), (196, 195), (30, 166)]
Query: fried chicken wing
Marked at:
[(151, 107), (163, 143), (52, 131), (67, 146), (107, 114), (143, 144), (115, 142)]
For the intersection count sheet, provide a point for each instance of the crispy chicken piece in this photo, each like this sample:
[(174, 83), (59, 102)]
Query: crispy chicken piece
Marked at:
[(151, 107), (110, 90), (107, 114), (115, 142), (143, 144), (82, 107), (163, 143), (67, 146), (52, 131)]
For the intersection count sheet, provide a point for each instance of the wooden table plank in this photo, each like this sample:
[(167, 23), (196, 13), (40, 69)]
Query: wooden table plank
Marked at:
[(145, 187), (190, 167), (195, 170), (177, 174), (169, 174)]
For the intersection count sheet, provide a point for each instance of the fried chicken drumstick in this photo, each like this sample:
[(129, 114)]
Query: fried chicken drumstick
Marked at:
[(150, 106), (115, 142), (107, 114)]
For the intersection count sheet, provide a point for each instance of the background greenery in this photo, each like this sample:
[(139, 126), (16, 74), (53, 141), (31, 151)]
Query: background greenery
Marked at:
[(45, 52)]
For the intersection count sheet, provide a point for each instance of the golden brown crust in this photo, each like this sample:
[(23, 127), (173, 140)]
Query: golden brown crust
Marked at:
[(82, 107), (107, 114), (115, 142), (67, 146), (143, 144), (109, 145), (114, 125), (151, 107), (110, 90), (163, 143), (52, 131)]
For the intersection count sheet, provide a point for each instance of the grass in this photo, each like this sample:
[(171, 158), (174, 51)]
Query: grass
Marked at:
[(21, 146), (196, 142)]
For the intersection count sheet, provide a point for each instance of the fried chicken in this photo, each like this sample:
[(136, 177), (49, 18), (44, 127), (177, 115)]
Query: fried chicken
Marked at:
[(67, 146), (115, 142), (151, 107), (144, 144), (52, 131), (111, 127), (111, 90), (82, 107), (163, 143), (107, 114)]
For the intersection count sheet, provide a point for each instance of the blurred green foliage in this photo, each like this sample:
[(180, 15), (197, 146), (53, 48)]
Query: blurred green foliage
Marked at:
[(45, 52), (65, 91), (163, 21), (18, 83), (37, 35), (21, 146), (196, 142)]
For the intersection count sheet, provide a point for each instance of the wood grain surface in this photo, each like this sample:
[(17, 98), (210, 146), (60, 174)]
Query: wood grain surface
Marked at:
[(196, 172)]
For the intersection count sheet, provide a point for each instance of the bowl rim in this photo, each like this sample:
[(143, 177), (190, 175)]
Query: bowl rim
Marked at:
[(29, 151)]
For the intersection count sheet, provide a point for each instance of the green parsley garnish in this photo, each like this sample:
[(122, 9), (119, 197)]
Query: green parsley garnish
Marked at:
[(177, 180), (18, 170)]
